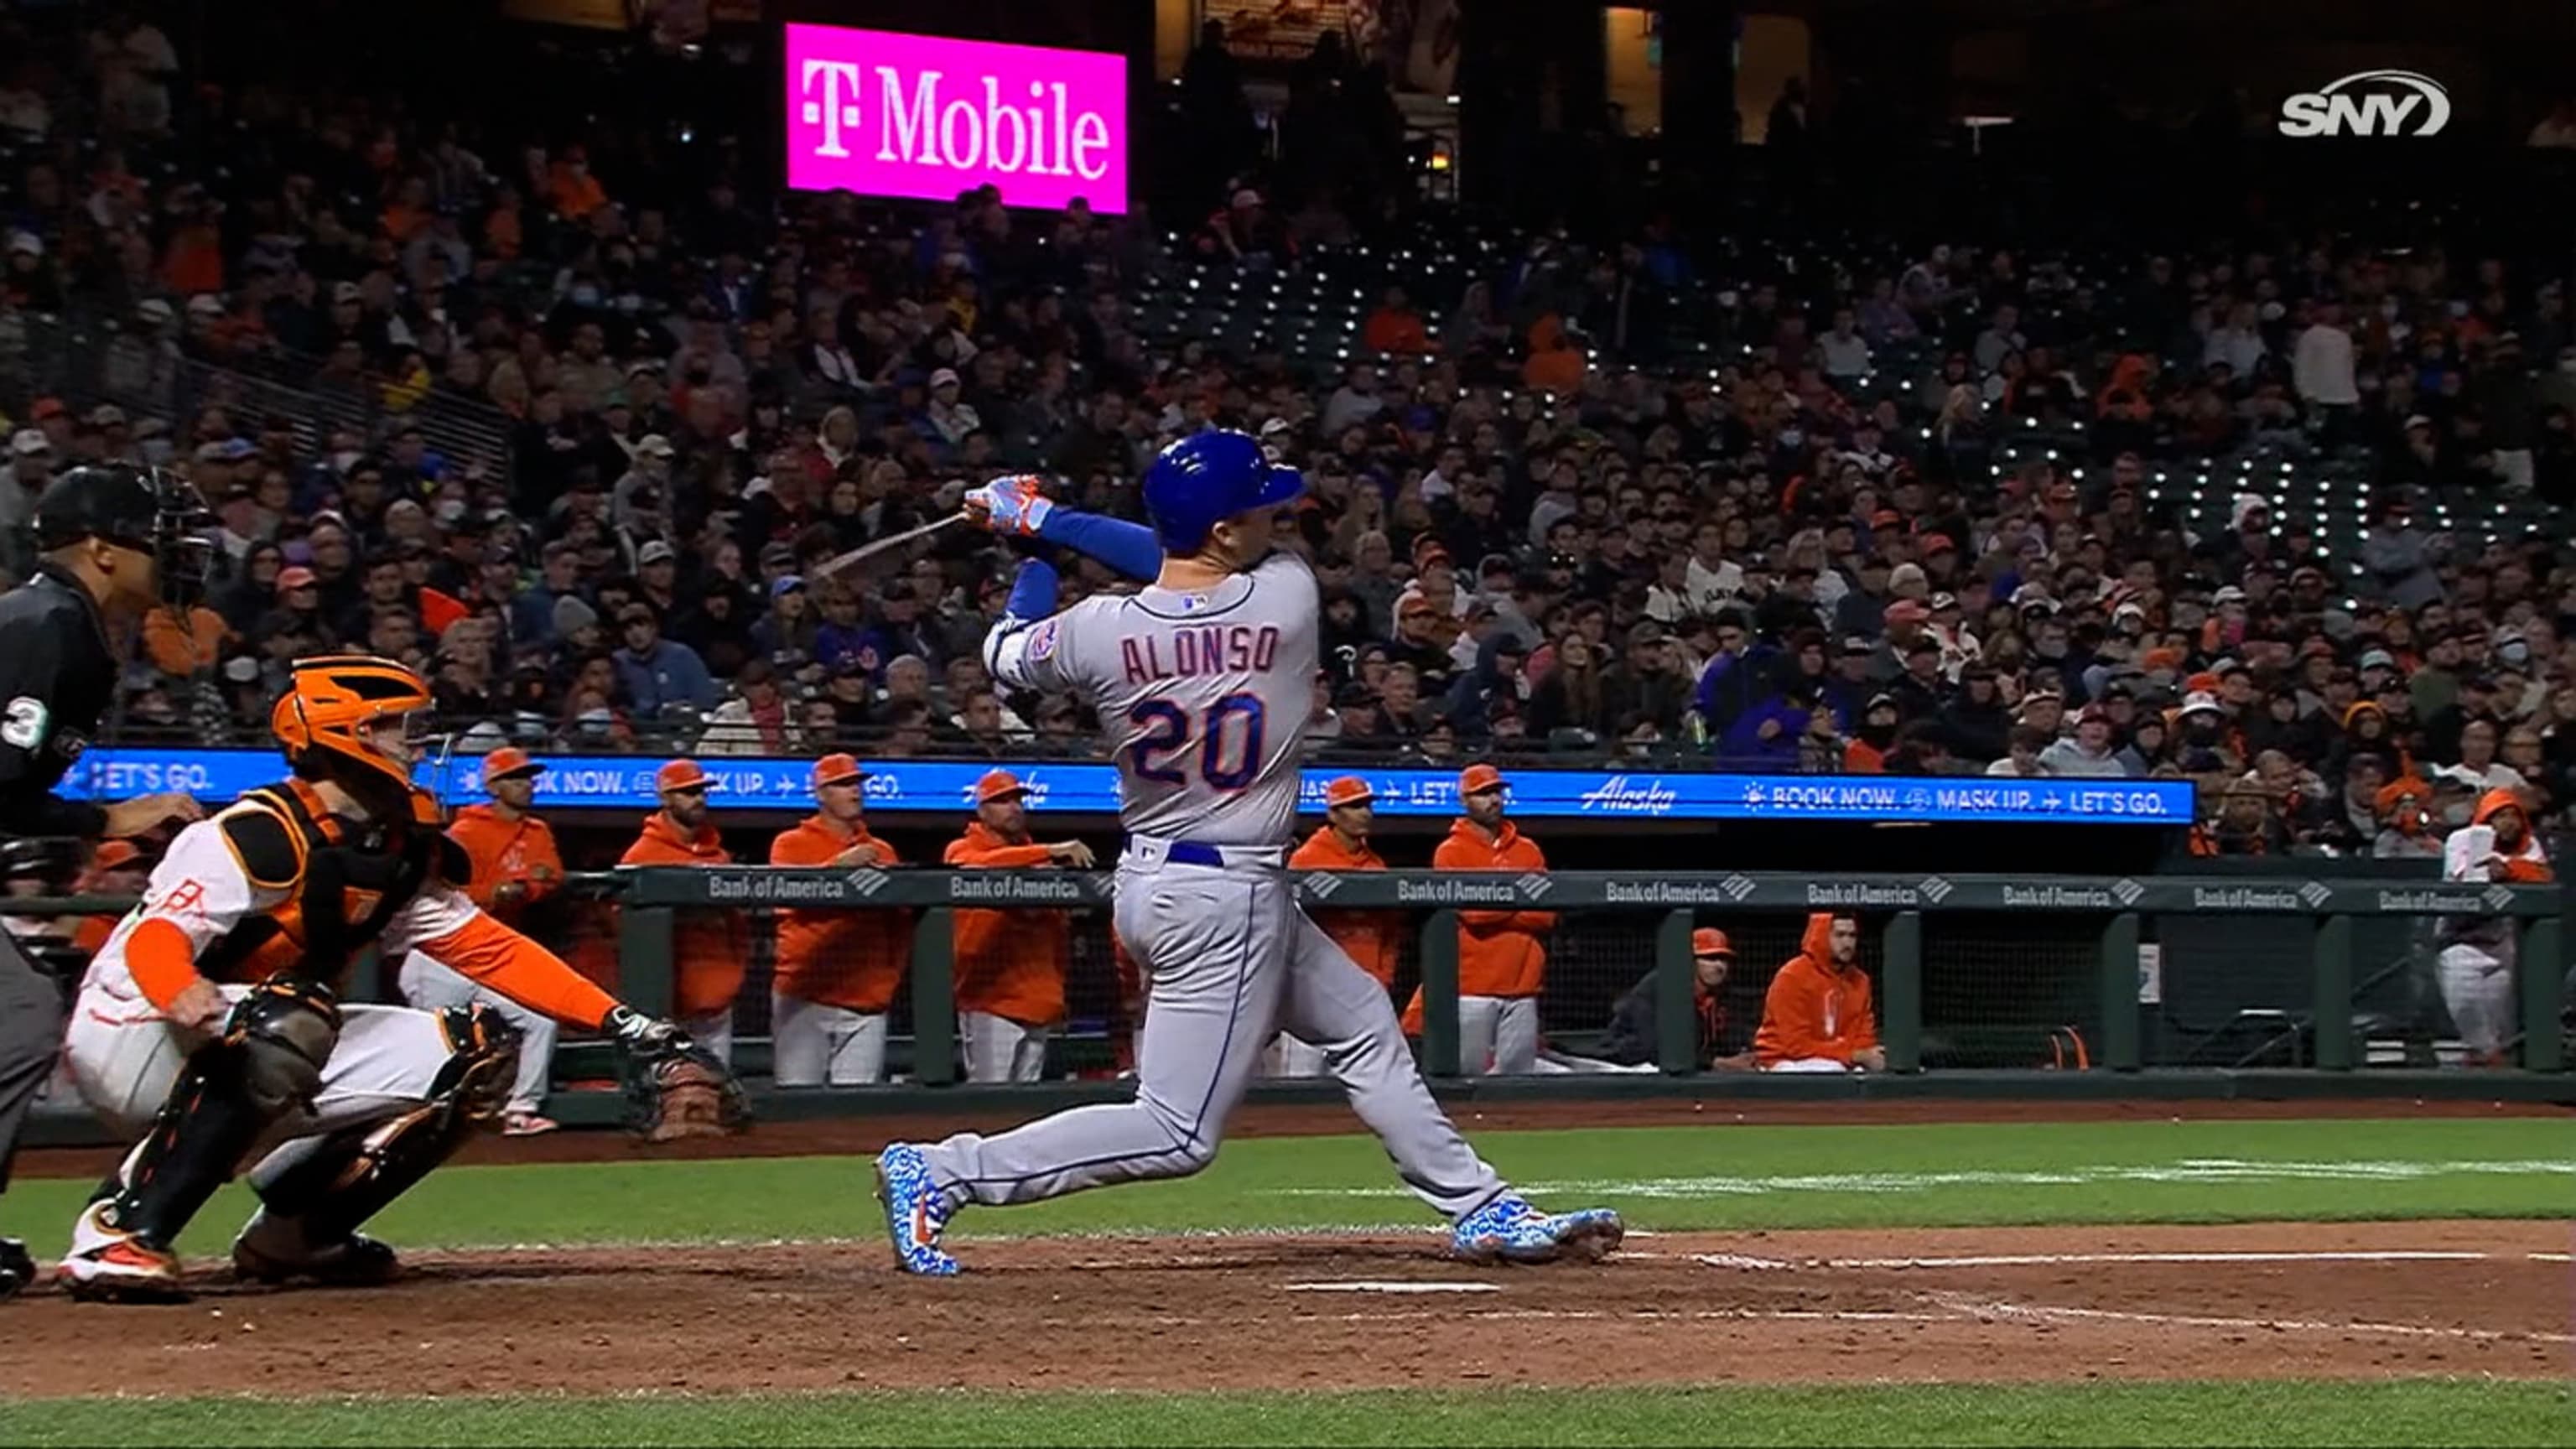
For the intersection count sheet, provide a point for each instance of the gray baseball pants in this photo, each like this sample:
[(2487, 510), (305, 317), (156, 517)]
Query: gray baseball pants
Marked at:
[(31, 1030), (1229, 958)]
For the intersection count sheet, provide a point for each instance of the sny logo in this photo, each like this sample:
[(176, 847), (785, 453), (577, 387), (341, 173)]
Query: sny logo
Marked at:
[(2410, 105)]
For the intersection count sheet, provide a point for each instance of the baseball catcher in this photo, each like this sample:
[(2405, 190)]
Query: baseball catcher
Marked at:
[(209, 1023)]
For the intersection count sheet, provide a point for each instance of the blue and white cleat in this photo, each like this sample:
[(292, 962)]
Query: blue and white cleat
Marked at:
[(916, 1211), (1509, 1230)]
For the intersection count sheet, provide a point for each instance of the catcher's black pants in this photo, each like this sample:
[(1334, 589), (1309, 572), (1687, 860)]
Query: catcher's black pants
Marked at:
[(31, 1029)]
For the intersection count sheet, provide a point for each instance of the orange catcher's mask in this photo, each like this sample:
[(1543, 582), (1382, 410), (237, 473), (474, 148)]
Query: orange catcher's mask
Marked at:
[(334, 723)]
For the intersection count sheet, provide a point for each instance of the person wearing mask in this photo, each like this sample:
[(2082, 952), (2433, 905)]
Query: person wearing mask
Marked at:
[(2088, 753), (515, 865), (2477, 962), (1635, 1033), (112, 544), (709, 946), (1372, 939), (1816, 1014), (1010, 964), (837, 969)]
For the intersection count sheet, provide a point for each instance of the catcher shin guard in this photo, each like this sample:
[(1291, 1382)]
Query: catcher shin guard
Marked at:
[(349, 1176), (265, 1065)]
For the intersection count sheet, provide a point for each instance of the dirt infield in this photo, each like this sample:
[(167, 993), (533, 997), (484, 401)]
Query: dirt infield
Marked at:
[(2272, 1301), (863, 1134)]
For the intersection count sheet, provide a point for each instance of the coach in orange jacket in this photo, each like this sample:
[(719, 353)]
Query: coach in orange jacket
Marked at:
[(837, 970), (1815, 1017), (1369, 938), (708, 946), (516, 865), (1502, 955), (1010, 964)]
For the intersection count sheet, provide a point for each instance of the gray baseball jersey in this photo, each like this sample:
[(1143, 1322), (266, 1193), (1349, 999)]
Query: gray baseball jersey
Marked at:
[(1205, 697)]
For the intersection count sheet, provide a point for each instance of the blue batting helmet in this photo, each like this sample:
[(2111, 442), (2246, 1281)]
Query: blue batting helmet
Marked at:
[(1206, 478)]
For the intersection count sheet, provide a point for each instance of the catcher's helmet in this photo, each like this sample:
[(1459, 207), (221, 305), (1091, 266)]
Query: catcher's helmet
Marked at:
[(145, 509), (1206, 478), (326, 719)]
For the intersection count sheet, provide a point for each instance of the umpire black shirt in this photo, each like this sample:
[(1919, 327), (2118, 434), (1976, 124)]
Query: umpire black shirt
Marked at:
[(57, 673)]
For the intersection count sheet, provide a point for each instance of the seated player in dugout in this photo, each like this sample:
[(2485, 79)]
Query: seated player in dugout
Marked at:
[(1816, 1014), (208, 1024), (1635, 1031)]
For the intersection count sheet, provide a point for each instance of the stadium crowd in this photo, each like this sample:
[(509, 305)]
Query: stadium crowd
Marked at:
[(1597, 496)]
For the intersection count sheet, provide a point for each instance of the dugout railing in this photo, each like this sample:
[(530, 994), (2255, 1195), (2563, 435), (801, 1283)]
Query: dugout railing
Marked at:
[(2100, 986), (2320, 916)]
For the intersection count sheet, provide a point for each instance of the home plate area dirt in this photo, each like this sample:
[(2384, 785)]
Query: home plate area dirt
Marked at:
[(2293, 1300)]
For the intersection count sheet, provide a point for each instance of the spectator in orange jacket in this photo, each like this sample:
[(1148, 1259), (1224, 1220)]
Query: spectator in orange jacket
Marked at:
[(515, 866), (1369, 938), (1502, 959), (708, 946), (837, 970), (1010, 964), (1815, 1017)]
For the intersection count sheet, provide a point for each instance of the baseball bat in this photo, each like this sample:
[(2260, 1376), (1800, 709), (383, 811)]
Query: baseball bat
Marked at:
[(854, 557)]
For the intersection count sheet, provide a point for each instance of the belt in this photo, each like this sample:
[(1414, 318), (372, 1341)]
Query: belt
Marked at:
[(1194, 852)]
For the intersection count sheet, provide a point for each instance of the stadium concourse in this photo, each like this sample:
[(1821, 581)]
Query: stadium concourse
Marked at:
[(563, 413)]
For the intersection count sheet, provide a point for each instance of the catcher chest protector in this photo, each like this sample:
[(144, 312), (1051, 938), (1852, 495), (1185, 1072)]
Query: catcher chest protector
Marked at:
[(348, 1177), (266, 1064), (344, 881)]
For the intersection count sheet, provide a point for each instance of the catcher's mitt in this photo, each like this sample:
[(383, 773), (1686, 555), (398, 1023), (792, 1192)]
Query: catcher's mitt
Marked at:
[(676, 1088)]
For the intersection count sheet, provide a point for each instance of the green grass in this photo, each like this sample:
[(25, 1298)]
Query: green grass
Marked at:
[(1716, 1177), (2412, 1412)]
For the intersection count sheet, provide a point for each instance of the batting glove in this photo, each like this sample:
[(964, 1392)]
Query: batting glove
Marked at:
[(1010, 505)]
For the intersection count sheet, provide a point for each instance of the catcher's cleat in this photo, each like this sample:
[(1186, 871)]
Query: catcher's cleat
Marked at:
[(528, 1124), (275, 1250), (107, 1265), (1509, 1230)]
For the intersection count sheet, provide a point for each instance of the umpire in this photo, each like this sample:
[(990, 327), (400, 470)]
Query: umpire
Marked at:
[(114, 543)]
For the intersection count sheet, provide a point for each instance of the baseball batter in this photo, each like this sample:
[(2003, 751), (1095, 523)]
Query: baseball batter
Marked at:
[(1204, 680)]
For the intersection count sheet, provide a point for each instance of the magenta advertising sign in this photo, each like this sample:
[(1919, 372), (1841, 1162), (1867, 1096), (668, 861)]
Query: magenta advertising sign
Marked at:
[(882, 114)]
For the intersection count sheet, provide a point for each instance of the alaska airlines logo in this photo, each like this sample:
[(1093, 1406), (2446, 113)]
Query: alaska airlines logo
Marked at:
[(2369, 103), (1615, 796)]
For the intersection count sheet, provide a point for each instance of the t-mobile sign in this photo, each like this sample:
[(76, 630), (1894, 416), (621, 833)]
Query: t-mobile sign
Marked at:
[(913, 115)]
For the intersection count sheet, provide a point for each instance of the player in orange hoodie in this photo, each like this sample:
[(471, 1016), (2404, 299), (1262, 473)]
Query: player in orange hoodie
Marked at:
[(1502, 956), (837, 970), (708, 946), (515, 866), (1369, 938), (2477, 961), (1815, 1017), (1010, 964)]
